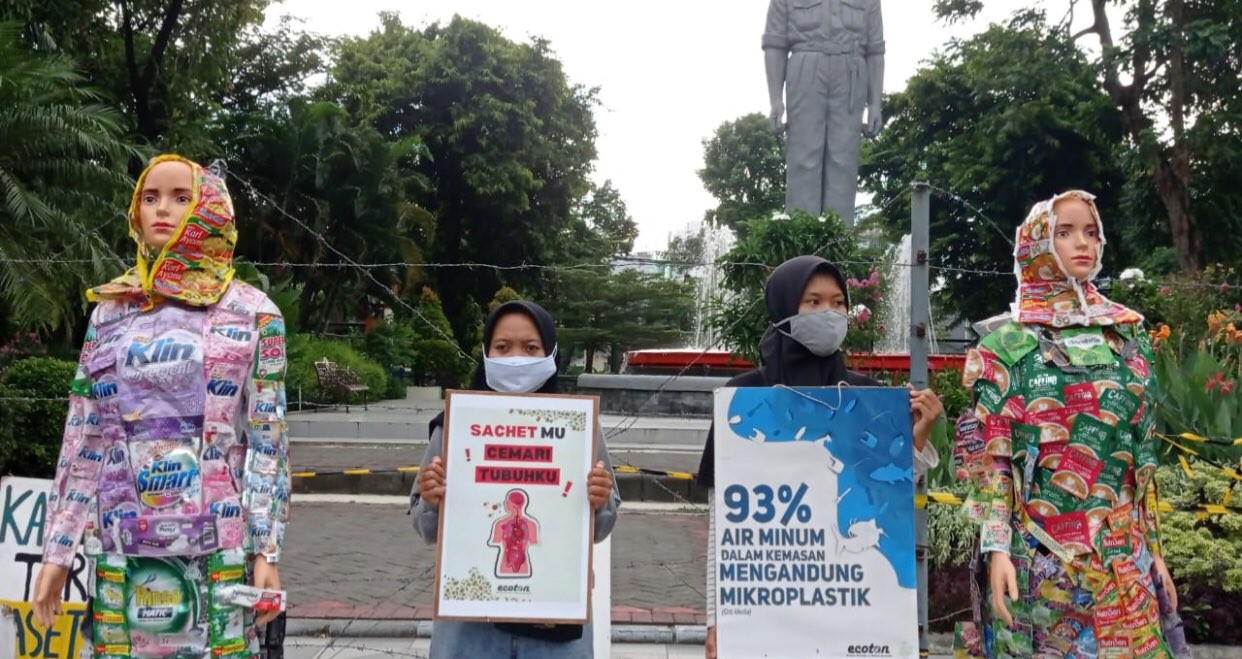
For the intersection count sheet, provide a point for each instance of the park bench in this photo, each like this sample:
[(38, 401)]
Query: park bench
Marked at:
[(339, 383)]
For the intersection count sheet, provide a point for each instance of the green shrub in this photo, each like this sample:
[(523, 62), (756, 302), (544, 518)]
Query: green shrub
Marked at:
[(392, 346), (437, 357), (305, 350), (1181, 301), (1200, 551), (31, 431), (950, 532)]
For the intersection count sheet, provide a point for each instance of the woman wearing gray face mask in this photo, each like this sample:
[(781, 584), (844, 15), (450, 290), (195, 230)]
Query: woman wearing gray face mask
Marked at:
[(519, 356), (807, 301)]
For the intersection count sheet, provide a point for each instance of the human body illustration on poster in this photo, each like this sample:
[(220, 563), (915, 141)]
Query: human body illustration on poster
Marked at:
[(815, 523), (514, 545), (514, 534)]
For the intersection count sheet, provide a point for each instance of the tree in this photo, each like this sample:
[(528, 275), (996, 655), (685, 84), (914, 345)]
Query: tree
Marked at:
[(171, 62), (744, 169), (626, 310), (436, 356), (346, 187), (1003, 119), (1174, 77), (604, 212), (61, 180), (599, 231), (272, 67), (685, 252), (510, 143), (739, 316), (503, 294)]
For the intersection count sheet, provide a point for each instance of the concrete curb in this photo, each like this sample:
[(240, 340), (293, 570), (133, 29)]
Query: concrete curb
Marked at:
[(648, 634), (317, 627)]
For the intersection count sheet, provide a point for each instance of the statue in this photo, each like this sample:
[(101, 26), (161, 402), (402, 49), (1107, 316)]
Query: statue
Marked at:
[(827, 58)]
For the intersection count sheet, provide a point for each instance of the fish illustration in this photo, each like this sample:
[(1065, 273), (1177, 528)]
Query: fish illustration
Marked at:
[(891, 473), (862, 536)]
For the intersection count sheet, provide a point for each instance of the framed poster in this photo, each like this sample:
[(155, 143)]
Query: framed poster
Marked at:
[(815, 523), (516, 525)]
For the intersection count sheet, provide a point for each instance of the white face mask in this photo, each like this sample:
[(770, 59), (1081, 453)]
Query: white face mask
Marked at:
[(821, 332), (519, 375)]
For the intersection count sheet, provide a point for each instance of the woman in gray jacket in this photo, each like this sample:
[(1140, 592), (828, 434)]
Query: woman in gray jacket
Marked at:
[(519, 342)]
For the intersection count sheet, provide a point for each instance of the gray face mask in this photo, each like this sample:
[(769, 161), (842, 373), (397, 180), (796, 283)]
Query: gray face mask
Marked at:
[(821, 332)]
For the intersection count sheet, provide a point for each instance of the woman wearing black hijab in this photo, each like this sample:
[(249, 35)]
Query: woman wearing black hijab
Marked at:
[(519, 356), (807, 302)]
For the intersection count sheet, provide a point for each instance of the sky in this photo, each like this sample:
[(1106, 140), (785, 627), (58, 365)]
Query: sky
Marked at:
[(667, 80)]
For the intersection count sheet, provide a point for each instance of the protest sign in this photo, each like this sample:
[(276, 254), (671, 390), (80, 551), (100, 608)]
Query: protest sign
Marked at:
[(23, 528), (515, 523), (814, 524)]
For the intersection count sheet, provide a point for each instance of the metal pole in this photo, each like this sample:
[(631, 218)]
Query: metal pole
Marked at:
[(920, 319)]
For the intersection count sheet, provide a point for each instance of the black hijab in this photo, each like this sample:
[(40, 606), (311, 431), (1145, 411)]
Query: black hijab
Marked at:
[(547, 334), (783, 360)]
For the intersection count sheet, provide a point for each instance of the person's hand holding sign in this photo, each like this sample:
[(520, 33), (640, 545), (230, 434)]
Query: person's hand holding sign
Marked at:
[(926, 408), (599, 485), (431, 482)]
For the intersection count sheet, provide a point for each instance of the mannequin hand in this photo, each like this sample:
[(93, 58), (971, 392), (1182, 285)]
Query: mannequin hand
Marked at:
[(266, 576), (1003, 579), (48, 588)]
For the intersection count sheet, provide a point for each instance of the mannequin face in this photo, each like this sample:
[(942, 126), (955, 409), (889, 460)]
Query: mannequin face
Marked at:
[(167, 192), (1076, 238)]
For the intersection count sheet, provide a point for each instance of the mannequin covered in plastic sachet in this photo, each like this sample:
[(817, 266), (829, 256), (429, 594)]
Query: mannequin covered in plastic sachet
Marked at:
[(174, 466)]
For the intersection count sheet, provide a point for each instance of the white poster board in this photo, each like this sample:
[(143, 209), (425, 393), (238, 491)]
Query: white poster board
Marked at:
[(601, 598), (23, 528), (814, 520), (515, 524)]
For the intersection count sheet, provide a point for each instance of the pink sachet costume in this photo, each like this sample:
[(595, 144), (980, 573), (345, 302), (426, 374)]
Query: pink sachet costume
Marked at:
[(175, 463)]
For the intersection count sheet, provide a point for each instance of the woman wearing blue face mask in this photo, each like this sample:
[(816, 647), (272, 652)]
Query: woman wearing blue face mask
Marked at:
[(807, 302), (519, 346)]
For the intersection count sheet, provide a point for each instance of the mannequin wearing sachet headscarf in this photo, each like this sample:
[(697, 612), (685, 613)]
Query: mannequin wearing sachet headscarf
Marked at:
[(1061, 453), (176, 421), (195, 265)]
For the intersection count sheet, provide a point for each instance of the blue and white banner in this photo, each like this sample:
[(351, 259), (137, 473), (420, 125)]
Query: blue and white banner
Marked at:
[(815, 523)]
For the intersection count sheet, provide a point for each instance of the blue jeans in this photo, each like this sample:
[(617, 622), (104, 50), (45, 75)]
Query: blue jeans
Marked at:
[(451, 639)]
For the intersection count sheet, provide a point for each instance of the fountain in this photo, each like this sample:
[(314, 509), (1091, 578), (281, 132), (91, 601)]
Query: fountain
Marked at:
[(895, 314), (716, 242)]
